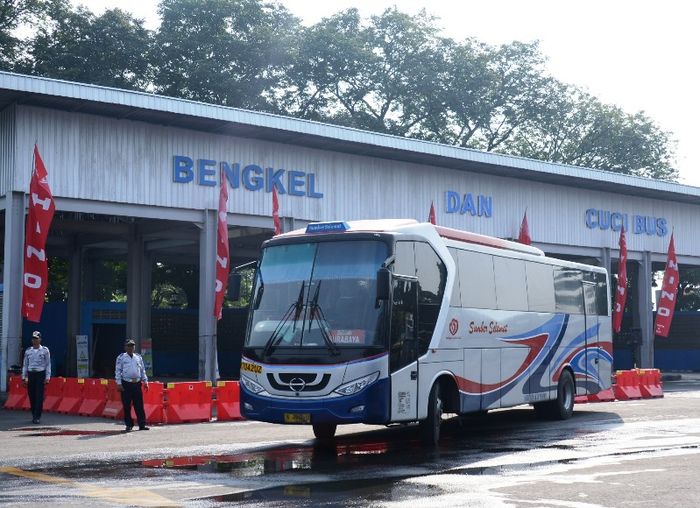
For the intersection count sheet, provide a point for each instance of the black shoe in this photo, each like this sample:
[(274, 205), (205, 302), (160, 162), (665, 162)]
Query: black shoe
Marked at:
[(34, 420), (143, 427), (128, 429)]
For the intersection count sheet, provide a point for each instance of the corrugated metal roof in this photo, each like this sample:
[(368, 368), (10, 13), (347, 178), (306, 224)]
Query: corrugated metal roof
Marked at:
[(140, 106)]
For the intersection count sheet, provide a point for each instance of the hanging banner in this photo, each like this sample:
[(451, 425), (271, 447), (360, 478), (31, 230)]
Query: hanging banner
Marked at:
[(36, 272), (621, 290), (222, 252), (524, 235), (276, 212), (667, 303), (82, 356)]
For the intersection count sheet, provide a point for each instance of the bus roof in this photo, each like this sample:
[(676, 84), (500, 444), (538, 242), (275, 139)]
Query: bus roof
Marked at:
[(394, 225)]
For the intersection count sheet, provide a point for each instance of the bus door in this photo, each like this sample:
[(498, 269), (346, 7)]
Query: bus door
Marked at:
[(590, 322), (403, 352)]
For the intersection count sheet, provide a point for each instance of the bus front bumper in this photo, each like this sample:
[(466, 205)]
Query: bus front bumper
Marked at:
[(371, 405)]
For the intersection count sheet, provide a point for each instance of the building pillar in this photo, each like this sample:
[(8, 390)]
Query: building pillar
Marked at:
[(74, 301), (11, 342), (208, 361), (134, 287), (606, 261), (642, 316)]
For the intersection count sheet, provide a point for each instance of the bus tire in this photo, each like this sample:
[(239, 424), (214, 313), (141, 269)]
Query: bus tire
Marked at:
[(563, 406), (324, 430), (430, 427)]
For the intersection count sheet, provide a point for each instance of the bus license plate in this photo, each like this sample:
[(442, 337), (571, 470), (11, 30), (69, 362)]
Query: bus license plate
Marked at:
[(297, 418)]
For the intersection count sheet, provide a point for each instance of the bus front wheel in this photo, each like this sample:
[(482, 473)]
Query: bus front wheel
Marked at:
[(430, 427), (324, 430), (563, 406)]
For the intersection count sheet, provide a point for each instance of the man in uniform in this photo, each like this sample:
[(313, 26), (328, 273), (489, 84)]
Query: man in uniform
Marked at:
[(36, 372), (130, 373)]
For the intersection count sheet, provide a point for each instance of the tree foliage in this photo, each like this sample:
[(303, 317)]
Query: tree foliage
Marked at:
[(77, 45), (390, 73)]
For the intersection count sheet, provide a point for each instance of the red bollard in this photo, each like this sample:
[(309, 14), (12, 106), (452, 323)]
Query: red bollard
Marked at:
[(53, 393), (94, 397), (72, 396), (17, 397), (188, 402), (228, 401)]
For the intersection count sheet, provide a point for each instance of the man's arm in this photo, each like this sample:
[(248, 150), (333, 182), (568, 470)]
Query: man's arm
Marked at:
[(48, 365), (25, 368), (118, 373)]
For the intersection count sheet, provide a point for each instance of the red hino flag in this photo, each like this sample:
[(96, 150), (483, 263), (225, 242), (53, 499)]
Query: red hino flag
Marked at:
[(524, 236), (667, 303), (431, 214), (621, 290), (36, 271), (276, 212), (222, 252)]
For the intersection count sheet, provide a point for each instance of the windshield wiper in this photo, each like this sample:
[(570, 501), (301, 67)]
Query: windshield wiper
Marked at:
[(294, 310), (317, 312)]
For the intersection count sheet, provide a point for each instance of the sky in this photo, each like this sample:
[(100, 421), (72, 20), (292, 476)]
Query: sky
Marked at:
[(640, 55)]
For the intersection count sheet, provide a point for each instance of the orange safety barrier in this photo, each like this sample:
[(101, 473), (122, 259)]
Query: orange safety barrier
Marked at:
[(113, 407), (53, 393), (650, 384), (94, 397), (17, 397), (228, 401), (72, 396), (153, 403), (627, 385), (188, 402)]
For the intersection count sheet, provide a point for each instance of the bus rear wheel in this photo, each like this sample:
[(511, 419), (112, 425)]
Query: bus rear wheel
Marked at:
[(324, 430), (563, 406), (430, 427)]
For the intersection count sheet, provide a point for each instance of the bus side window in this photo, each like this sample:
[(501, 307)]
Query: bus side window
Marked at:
[(476, 280), (511, 285), (540, 287), (568, 290), (456, 298), (432, 274)]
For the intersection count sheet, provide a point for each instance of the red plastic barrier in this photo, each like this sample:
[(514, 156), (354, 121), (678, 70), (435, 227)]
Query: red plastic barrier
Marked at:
[(650, 383), (53, 393), (113, 408), (17, 397), (153, 403), (228, 401), (72, 396), (602, 396), (627, 385), (188, 402), (94, 397)]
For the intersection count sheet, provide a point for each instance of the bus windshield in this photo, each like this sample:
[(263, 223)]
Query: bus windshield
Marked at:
[(317, 295)]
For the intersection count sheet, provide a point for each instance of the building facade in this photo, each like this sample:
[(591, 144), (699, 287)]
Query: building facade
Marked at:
[(135, 176)]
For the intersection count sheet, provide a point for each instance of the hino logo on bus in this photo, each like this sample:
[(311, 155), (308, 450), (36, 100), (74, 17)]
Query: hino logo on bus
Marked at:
[(297, 384)]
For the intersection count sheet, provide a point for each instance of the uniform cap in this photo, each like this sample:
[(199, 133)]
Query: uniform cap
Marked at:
[(36, 335), (130, 341)]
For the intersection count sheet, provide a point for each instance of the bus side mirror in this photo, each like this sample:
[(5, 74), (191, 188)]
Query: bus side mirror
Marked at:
[(234, 286), (383, 284)]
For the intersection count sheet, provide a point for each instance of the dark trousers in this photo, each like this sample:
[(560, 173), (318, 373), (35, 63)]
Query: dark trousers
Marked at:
[(132, 394), (35, 390)]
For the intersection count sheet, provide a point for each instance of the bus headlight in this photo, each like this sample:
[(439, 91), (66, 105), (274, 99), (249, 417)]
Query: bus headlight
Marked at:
[(251, 385), (357, 385)]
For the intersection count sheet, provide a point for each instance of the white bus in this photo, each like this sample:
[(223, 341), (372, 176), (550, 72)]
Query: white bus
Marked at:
[(392, 321)]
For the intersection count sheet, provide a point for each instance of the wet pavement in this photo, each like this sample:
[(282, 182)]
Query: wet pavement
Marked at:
[(635, 453)]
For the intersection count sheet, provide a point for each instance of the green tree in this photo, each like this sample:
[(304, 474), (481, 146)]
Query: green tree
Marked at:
[(229, 52), (576, 128), (382, 76), (14, 13), (78, 46)]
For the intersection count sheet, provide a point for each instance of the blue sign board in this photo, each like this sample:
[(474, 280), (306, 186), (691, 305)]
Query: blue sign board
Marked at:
[(251, 177), (481, 206), (639, 224)]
